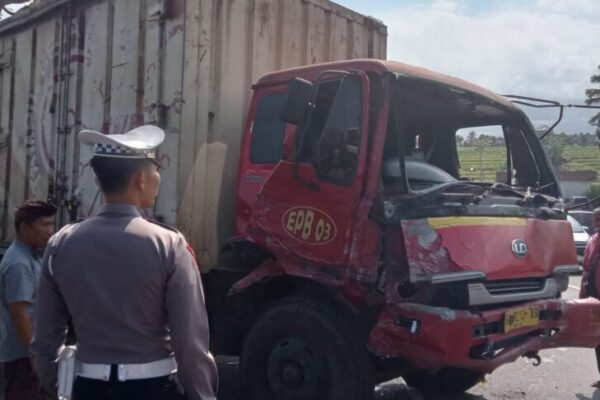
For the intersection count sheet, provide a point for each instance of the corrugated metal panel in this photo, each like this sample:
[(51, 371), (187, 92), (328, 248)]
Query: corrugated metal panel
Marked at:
[(228, 45), (95, 99), (124, 101), (187, 65), (6, 79), (171, 101), (70, 112), (21, 135), (43, 137), (29, 120)]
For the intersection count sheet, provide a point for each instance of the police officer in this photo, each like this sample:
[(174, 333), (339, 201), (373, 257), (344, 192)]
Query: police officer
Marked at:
[(131, 287)]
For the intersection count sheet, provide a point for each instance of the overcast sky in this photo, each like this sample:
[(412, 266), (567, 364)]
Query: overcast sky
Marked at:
[(12, 8), (538, 48)]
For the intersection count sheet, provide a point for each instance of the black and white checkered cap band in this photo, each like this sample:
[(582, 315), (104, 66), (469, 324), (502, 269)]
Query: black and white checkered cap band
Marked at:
[(112, 150)]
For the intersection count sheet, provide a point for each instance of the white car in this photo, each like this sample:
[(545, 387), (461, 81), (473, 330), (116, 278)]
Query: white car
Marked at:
[(580, 237)]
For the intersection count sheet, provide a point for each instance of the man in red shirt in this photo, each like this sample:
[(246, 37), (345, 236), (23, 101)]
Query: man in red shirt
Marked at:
[(590, 282)]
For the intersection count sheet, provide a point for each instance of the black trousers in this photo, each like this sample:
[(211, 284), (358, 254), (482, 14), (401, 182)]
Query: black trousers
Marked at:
[(20, 381), (163, 388)]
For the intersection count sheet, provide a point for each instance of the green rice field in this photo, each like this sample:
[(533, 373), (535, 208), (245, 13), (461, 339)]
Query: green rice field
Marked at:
[(482, 163)]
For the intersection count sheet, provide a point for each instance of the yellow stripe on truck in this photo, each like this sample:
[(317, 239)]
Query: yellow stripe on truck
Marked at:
[(448, 222)]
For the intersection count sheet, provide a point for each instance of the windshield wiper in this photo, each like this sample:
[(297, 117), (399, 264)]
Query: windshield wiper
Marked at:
[(447, 185), (527, 198), (536, 199), (503, 189)]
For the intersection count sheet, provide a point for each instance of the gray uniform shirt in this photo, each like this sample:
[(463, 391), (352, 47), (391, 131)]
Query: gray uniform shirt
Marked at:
[(134, 293), (19, 272)]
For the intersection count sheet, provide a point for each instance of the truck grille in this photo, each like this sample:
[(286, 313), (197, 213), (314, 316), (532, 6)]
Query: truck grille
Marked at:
[(515, 286)]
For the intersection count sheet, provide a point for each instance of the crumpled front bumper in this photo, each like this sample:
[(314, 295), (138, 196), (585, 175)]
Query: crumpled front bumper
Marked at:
[(432, 337)]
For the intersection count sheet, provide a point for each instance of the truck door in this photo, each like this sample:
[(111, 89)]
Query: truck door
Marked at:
[(307, 205)]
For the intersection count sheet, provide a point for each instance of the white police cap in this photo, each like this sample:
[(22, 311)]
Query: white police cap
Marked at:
[(140, 142)]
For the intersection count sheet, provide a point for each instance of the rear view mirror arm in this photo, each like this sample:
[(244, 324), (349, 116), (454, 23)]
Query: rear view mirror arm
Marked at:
[(542, 103), (581, 205)]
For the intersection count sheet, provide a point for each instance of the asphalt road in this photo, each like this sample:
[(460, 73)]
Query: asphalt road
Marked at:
[(563, 375)]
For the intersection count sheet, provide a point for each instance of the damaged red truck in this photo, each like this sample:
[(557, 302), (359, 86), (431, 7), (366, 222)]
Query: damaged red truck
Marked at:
[(361, 251)]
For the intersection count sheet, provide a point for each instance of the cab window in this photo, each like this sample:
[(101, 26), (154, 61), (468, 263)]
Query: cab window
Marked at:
[(268, 130), (333, 137)]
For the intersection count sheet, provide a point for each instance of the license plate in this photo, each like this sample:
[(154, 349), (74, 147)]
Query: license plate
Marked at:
[(520, 317)]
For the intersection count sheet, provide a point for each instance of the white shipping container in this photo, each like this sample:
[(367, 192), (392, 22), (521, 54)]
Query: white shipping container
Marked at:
[(185, 65)]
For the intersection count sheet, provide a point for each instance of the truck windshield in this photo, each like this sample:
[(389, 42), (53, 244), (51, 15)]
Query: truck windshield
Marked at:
[(445, 134)]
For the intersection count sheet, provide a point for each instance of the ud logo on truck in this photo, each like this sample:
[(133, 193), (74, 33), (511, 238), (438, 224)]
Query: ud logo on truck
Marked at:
[(309, 225), (519, 248)]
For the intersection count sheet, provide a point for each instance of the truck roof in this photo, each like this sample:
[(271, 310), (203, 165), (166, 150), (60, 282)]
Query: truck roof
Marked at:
[(311, 72)]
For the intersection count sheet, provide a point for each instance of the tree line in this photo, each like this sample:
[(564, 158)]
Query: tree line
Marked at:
[(557, 139)]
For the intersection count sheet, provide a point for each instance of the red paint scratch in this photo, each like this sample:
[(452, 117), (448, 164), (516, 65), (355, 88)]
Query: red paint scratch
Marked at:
[(177, 102), (164, 160), (174, 31)]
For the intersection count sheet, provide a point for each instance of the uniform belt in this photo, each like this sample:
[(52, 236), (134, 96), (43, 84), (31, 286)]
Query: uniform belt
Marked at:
[(127, 372)]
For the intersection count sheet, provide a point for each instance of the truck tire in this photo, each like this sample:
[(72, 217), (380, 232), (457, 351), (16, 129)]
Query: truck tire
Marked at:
[(300, 349), (447, 380)]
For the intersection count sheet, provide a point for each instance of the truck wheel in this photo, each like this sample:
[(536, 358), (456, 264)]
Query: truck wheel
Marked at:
[(448, 380), (300, 349)]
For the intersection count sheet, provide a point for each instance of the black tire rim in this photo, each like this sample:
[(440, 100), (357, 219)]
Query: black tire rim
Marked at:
[(296, 370)]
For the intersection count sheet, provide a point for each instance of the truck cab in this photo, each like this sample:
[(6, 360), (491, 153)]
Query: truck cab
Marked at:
[(364, 250)]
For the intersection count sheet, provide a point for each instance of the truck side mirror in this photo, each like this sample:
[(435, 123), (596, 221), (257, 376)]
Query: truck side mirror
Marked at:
[(297, 100)]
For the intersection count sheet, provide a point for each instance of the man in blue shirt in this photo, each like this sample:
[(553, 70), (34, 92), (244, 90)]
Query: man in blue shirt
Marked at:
[(19, 272)]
